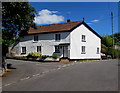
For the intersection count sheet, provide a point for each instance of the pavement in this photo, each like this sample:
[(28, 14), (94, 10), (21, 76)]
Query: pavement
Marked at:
[(73, 76)]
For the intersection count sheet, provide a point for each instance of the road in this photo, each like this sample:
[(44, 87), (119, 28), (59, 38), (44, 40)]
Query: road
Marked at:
[(73, 76)]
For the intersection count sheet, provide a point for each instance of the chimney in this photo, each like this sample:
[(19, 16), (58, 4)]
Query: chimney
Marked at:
[(68, 20)]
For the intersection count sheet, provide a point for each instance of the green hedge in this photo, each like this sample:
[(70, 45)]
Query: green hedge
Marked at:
[(34, 55)]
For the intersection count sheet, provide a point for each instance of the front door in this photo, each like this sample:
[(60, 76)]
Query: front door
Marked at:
[(65, 51)]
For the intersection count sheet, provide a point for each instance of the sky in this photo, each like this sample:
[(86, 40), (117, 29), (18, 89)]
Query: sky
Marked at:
[(96, 14)]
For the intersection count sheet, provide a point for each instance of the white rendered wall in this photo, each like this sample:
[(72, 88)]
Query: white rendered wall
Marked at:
[(91, 44), (46, 41)]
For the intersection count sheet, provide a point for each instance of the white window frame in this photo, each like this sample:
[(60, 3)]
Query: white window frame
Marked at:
[(23, 52), (39, 49), (57, 49), (83, 50), (98, 50), (83, 38), (34, 38), (57, 37)]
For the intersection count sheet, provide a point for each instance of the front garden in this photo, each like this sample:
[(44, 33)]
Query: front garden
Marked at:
[(36, 56)]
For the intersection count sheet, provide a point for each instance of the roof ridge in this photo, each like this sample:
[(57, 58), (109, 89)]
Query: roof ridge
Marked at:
[(60, 23)]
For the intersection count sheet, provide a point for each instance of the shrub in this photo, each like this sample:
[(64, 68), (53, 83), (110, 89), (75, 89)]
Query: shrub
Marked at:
[(44, 56), (115, 53), (34, 55), (55, 56)]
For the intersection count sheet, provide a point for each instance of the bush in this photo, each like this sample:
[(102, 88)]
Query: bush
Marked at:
[(44, 56), (55, 56), (34, 55), (115, 53)]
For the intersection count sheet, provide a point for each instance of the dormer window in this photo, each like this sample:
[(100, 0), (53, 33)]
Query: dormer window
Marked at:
[(35, 37), (83, 38)]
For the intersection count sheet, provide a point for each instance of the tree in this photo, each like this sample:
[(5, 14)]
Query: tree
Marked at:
[(107, 41), (107, 47), (117, 38), (17, 18)]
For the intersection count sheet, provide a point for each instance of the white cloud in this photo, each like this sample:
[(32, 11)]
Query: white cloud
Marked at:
[(48, 17), (95, 20), (89, 23)]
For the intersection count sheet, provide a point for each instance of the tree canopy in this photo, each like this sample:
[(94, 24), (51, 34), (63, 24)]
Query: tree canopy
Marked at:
[(107, 41), (117, 38), (107, 48), (17, 18)]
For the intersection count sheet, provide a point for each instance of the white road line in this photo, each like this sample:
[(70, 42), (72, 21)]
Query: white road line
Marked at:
[(64, 66), (25, 78), (7, 84), (59, 68), (22, 79), (33, 75), (37, 74)]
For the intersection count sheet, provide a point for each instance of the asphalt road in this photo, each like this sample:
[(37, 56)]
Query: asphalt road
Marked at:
[(74, 76)]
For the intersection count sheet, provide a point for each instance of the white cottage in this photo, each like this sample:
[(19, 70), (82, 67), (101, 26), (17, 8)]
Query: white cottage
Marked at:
[(73, 40)]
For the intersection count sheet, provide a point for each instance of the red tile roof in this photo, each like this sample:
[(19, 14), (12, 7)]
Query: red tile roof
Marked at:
[(54, 27)]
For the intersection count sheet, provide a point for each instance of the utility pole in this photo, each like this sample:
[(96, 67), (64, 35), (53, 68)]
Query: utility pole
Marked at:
[(112, 31)]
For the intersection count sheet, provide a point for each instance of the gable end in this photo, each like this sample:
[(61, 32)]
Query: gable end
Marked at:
[(86, 27)]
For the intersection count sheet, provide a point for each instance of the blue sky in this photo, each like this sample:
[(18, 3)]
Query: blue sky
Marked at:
[(97, 14)]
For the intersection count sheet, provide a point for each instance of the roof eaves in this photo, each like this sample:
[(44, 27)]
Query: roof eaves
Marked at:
[(48, 32)]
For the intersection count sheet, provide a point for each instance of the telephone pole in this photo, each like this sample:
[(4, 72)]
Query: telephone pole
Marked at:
[(112, 31)]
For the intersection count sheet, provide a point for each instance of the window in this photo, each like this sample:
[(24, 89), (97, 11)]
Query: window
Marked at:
[(98, 50), (35, 38), (23, 50), (57, 37), (39, 49), (83, 38), (57, 49), (83, 50)]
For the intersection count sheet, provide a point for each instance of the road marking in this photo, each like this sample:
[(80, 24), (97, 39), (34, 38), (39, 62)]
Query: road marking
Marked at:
[(25, 78), (37, 74), (33, 75), (64, 66), (7, 84), (59, 68)]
